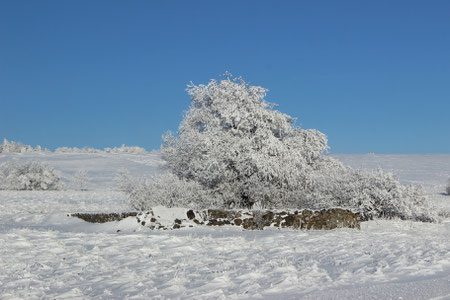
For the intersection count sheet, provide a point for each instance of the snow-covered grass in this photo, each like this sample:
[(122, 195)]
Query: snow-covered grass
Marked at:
[(46, 254)]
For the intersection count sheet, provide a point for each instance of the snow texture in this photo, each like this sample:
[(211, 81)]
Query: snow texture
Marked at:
[(46, 254)]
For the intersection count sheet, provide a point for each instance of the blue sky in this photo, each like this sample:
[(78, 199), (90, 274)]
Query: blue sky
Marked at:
[(372, 75)]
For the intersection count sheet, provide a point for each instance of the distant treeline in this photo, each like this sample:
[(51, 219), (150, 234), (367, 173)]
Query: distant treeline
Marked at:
[(17, 147)]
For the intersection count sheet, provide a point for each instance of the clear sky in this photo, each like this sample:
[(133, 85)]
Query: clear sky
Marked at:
[(372, 75)]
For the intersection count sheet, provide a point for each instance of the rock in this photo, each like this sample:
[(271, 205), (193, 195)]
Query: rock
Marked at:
[(267, 218), (190, 214), (218, 214), (215, 222), (249, 224), (289, 220)]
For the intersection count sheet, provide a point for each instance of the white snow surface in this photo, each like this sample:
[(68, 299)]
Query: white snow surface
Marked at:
[(44, 254)]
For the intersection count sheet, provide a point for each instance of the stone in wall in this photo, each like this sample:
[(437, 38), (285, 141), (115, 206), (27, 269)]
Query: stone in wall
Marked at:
[(103, 217)]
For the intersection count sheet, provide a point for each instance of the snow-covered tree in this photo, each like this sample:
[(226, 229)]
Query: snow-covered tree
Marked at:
[(241, 151), (28, 176), (233, 142)]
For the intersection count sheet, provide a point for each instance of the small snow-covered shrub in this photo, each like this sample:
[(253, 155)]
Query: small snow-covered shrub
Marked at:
[(166, 190), (28, 176), (126, 149), (77, 150), (121, 149), (17, 147), (376, 194)]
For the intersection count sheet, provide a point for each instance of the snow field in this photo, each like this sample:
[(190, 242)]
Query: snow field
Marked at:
[(224, 263), (46, 254)]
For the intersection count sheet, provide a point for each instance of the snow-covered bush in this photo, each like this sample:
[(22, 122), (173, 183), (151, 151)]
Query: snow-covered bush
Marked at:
[(63, 150), (126, 149), (375, 194), (240, 151), (17, 147), (167, 190), (77, 150), (28, 176), (121, 149)]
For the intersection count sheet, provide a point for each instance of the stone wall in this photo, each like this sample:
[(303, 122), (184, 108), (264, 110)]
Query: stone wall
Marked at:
[(304, 219), (103, 217), (167, 218)]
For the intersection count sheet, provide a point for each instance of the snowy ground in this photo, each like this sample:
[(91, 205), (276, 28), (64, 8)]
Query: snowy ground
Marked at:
[(45, 254)]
